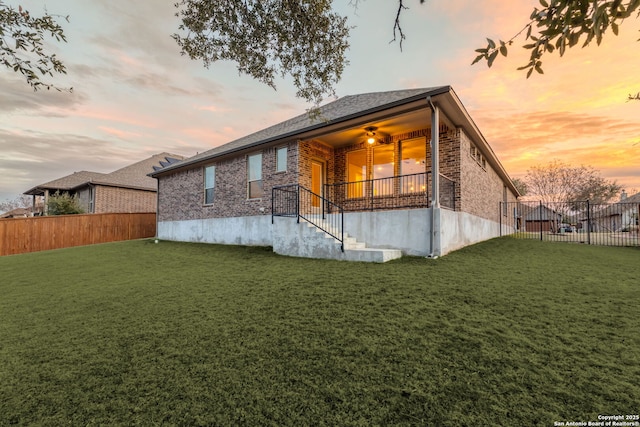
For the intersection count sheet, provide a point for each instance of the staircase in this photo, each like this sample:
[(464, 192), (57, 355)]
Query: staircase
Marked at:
[(353, 250), (309, 226)]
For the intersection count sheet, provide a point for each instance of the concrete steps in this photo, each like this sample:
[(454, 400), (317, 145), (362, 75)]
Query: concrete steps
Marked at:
[(353, 250)]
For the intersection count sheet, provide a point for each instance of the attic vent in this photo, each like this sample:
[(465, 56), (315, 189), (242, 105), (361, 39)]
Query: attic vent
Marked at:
[(171, 160), (156, 168)]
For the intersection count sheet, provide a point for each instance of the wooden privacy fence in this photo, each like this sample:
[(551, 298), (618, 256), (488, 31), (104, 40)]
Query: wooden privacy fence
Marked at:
[(21, 235)]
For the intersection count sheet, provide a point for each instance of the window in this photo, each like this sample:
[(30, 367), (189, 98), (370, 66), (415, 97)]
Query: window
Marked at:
[(254, 176), (383, 168), (209, 184), (477, 156), (281, 159), (414, 161), (356, 172)]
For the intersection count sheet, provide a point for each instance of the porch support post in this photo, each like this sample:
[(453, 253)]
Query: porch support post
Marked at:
[(45, 210), (436, 244)]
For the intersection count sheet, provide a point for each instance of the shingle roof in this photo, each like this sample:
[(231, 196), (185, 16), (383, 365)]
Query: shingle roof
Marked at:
[(632, 199), (336, 111), (132, 176), (14, 213), (618, 207), (136, 175), (71, 181)]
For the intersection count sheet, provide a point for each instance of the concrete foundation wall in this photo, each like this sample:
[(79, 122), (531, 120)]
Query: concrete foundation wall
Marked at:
[(248, 230), (302, 240), (407, 230), (460, 229)]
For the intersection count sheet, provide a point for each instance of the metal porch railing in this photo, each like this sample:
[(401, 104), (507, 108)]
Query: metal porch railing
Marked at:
[(404, 191)]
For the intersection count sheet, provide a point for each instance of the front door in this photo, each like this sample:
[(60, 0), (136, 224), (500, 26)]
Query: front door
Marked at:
[(317, 181)]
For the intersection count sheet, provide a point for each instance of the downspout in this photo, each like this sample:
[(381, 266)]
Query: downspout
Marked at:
[(157, 206), (435, 179)]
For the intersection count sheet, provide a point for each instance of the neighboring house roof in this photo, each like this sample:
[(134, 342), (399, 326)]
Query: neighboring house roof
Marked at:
[(15, 213), (133, 176), (346, 111), (540, 213), (136, 175), (618, 208), (68, 182), (631, 199)]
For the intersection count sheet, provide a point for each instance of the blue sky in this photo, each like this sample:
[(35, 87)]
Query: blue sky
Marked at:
[(135, 95)]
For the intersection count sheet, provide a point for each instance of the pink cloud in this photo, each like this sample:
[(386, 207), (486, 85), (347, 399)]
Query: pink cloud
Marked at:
[(120, 133)]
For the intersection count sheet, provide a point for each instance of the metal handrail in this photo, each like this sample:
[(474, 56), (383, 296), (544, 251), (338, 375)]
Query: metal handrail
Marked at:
[(295, 200)]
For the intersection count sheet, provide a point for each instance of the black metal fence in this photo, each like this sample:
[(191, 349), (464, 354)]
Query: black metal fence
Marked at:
[(405, 191), (611, 224), (298, 202)]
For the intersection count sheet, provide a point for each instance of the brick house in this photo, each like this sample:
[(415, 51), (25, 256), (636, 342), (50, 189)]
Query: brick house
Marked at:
[(128, 189), (357, 181)]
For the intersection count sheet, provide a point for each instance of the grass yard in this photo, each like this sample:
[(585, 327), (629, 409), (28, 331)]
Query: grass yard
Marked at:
[(507, 332)]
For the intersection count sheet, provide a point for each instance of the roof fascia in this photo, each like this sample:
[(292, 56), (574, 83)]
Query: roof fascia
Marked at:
[(316, 129)]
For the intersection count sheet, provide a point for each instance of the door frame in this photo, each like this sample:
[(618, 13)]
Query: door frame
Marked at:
[(323, 174)]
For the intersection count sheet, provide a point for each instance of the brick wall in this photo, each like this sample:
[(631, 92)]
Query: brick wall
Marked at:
[(478, 188), (312, 150), (182, 193), (449, 143), (482, 188), (115, 199)]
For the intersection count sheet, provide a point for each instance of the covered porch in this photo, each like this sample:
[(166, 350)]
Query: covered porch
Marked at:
[(399, 158), (389, 164)]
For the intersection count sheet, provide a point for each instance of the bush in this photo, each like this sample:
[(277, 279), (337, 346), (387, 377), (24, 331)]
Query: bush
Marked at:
[(63, 204)]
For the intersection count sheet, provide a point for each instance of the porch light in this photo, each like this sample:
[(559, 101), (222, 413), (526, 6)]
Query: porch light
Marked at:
[(371, 134)]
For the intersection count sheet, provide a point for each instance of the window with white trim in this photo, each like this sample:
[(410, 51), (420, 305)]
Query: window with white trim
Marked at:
[(209, 184), (254, 176), (281, 159)]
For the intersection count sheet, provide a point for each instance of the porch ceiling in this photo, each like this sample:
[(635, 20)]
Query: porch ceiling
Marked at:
[(409, 121)]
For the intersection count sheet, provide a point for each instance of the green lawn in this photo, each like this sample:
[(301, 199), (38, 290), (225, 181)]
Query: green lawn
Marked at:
[(506, 332)]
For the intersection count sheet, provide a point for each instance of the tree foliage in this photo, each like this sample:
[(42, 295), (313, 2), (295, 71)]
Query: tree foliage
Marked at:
[(22, 38), (563, 24), (63, 204), (560, 182), (301, 38), (306, 40), (521, 186)]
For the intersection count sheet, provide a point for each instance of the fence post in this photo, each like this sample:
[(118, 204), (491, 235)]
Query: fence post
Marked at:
[(500, 214), (588, 223), (540, 219)]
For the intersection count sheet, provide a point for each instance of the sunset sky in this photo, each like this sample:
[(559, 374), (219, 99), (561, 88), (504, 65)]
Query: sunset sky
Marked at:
[(135, 95)]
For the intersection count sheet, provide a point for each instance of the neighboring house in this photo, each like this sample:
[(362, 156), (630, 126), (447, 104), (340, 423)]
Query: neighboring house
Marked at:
[(366, 171), (22, 212), (620, 216), (129, 189), (538, 218)]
